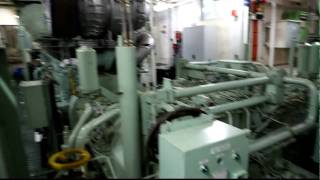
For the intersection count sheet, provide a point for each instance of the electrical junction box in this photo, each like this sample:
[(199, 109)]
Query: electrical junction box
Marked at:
[(209, 150), (37, 103)]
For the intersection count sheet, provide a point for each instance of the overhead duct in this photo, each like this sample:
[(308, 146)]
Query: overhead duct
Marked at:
[(92, 19)]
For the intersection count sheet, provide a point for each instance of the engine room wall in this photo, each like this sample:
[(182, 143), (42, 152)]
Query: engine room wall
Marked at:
[(228, 35), (225, 34), (167, 22)]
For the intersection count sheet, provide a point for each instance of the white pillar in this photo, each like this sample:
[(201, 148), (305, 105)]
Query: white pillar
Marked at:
[(273, 27)]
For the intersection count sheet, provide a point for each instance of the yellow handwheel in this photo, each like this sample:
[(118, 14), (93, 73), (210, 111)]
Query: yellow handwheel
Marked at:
[(59, 160)]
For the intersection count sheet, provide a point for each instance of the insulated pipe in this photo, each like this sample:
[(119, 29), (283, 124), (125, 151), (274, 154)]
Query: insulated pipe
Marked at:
[(209, 88), (83, 135), (238, 104), (224, 70), (284, 134), (128, 100), (83, 119)]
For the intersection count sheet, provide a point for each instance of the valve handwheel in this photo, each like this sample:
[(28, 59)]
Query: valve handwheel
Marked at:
[(69, 159)]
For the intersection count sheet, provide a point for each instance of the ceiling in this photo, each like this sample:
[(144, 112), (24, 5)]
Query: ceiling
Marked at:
[(6, 2)]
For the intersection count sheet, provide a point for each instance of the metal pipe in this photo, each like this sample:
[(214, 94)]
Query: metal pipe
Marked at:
[(291, 58), (209, 88), (124, 22), (8, 93), (224, 70), (203, 62), (248, 117), (129, 19), (230, 119), (108, 161), (83, 119), (145, 43), (128, 100), (304, 82), (284, 134), (238, 104), (313, 96), (153, 65), (35, 73), (278, 136), (83, 135), (71, 113)]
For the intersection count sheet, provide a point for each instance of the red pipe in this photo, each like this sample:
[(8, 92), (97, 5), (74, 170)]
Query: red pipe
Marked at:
[(255, 32)]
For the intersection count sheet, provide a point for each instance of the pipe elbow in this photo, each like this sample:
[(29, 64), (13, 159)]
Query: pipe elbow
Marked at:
[(313, 96)]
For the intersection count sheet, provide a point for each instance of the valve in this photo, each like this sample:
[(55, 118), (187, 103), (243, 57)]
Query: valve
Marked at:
[(68, 159)]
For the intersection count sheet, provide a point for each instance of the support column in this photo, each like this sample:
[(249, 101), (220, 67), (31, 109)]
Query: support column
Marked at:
[(153, 53), (128, 98), (273, 27)]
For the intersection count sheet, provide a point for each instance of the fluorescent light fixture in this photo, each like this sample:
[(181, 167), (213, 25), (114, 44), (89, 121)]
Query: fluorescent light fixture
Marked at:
[(167, 4), (161, 6)]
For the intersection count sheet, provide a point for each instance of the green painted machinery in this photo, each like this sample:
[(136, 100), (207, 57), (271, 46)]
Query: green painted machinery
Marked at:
[(217, 119), (131, 132)]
